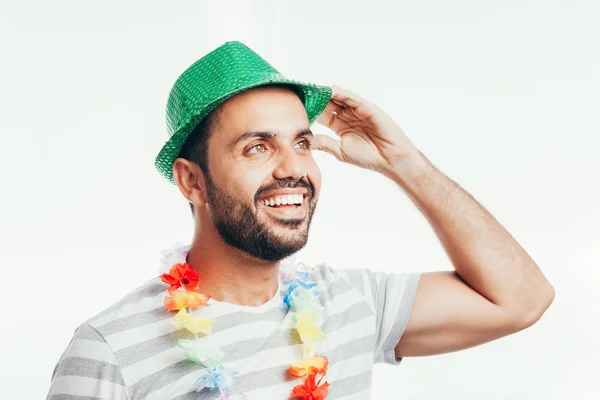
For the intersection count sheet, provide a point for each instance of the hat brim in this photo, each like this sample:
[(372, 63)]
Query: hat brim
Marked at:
[(314, 97)]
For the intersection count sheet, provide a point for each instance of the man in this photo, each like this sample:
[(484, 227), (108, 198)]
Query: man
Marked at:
[(240, 152)]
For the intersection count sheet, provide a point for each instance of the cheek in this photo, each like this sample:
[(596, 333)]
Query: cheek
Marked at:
[(314, 177), (247, 185)]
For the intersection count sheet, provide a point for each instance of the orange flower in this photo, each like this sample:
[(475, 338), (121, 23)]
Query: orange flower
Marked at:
[(179, 299), (311, 390), (312, 365), (181, 275)]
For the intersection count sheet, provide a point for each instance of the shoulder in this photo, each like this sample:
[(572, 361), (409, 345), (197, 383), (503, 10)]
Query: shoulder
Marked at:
[(357, 278), (347, 285), (143, 302), (369, 283)]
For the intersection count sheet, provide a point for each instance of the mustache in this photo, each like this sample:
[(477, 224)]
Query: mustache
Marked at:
[(286, 184)]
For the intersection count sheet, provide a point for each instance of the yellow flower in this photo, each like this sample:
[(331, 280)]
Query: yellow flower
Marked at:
[(193, 324), (308, 329)]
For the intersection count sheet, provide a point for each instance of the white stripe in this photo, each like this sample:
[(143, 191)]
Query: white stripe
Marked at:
[(148, 304), (129, 309), (91, 349), (274, 358), (140, 370), (82, 386), (129, 337), (258, 330), (344, 369), (368, 288)]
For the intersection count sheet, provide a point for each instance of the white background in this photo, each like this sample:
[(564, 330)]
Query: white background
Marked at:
[(503, 97)]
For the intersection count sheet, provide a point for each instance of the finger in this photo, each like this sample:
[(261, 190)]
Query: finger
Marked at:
[(327, 144), (331, 121), (343, 96), (332, 106), (352, 105), (326, 118)]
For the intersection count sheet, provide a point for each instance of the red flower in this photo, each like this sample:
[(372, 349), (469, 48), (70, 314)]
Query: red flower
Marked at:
[(311, 390), (181, 275)]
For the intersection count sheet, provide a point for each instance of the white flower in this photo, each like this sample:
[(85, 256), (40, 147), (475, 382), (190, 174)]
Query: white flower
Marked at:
[(176, 255), (287, 268), (202, 352)]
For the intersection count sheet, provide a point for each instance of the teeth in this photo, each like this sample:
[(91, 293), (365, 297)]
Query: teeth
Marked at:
[(286, 199)]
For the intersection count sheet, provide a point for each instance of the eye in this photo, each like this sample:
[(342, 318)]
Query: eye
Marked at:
[(307, 144), (260, 147)]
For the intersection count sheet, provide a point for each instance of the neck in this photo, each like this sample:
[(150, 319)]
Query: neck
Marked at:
[(227, 274)]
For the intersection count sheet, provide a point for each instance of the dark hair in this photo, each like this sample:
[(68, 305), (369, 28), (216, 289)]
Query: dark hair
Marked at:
[(195, 148)]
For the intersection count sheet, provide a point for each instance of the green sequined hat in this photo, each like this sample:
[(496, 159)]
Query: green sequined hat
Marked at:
[(229, 69)]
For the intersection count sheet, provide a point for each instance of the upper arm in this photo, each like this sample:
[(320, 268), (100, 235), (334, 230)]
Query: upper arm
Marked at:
[(87, 369), (448, 315)]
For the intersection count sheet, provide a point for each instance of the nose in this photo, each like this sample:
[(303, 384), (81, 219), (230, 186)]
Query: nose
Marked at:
[(290, 165)]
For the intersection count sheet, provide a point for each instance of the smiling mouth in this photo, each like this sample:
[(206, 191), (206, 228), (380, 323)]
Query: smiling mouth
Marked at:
[(294, 210)]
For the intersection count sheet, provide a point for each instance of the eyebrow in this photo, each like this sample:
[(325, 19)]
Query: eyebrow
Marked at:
[(267, 135)]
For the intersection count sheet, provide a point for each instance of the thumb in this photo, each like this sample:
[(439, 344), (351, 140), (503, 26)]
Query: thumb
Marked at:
[(327, 144)]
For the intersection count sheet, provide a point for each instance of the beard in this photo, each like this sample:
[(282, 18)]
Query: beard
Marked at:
[(239, 225)]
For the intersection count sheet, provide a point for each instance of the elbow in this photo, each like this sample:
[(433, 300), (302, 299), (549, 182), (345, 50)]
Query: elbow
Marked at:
[(532, 310)]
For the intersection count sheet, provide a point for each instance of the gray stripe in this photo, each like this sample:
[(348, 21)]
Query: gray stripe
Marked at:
[(352, 384), (356, 279), (132, 354), (87, 332), (243, 349), (162, 378), (140, 351), (354, 347), (149, 289), (252, 380), (245, 383), (334, 289), (233, 352), (242, 317), (135, 320), (354, 313), (71, 397), (89, 368), (225, 322), (276, 375), (246, 348)]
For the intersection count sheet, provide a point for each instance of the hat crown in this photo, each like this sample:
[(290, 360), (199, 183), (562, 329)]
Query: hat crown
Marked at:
[(225, 70)]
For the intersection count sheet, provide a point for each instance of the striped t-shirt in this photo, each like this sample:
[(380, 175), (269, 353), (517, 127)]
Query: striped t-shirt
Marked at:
[(129, 351)]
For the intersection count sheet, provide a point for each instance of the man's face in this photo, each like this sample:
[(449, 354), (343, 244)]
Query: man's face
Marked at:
[(259, 152)]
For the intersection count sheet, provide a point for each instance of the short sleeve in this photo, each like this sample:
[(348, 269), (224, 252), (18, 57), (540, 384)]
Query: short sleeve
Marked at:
[(87, 369), (393, 295)]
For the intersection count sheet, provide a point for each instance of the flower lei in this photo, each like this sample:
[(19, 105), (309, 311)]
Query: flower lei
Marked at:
[(298, 296)]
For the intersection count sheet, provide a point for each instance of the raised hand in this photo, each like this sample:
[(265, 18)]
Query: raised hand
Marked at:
[(368, 137)]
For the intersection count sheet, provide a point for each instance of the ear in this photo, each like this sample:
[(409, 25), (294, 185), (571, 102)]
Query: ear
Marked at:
[(191, 182)]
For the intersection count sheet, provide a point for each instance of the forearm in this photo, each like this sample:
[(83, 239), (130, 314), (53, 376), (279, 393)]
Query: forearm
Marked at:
[(482, 252)]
